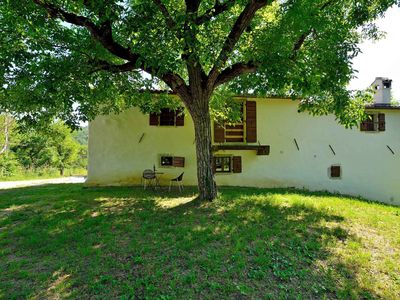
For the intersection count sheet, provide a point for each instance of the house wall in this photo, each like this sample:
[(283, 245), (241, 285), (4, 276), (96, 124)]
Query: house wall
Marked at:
[(369, 169)]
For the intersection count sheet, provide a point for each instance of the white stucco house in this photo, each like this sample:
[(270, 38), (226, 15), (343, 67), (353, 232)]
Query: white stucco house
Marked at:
[(274, 146)]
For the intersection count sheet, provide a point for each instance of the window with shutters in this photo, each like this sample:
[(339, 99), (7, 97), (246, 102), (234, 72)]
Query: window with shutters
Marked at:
[(240, 132), (167, 117), (373, 123), (172, 161), (223, 164), (227, 164), (166, 161), (235, 132)]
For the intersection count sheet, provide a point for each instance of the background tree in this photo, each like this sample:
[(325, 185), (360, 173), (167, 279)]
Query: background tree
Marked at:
[(65, 147), (8, 137), (54, 147), (82, 137), (34, 151), (6, 122), (57, 53)]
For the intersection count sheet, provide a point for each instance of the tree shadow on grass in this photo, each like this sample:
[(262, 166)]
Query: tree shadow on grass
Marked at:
[(65, 241)]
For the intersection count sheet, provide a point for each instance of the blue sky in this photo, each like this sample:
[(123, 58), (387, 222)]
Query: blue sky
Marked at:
[(381, 58)]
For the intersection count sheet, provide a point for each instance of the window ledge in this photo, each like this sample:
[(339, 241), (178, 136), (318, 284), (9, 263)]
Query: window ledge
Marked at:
[(261, 149)]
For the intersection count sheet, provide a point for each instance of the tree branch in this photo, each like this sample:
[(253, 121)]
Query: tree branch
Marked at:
[(174, 81), (103, 34), (168, 19), (177, 84), (196, 74), (217, 9), (299, 43), (328, 3), (237, 30), (192, 6), (102, 65), (234, 71)]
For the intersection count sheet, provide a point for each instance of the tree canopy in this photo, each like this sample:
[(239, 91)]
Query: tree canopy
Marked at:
[(37, 148), (76, 59), (94, 52)]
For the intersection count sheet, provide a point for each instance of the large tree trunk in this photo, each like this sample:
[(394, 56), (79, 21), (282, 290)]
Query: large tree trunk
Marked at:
[(202, 127)]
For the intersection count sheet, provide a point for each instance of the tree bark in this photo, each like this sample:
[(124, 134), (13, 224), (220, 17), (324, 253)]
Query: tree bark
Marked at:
[(202, 128)]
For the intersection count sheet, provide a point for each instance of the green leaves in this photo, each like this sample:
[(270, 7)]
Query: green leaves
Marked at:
[(52, 147), (224, 108), (51, 68)]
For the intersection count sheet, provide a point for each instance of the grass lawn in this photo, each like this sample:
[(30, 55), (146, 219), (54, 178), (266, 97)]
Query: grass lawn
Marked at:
[(63, 241)]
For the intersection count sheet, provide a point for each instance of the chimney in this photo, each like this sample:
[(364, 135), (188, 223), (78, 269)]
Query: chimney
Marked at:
[(383, 88)]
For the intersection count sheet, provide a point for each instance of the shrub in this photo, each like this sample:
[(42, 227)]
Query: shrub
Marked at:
[(9, 165)]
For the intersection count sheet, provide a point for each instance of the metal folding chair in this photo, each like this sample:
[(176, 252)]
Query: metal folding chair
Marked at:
[(148, 178), (178, 181)]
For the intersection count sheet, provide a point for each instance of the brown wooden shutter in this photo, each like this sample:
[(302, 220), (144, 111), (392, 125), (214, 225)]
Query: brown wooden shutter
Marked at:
[(364, 126), (219, 133), (381, 122), (237, 164), (180, 117), (251, 122), (335, 171), (263, 150), (154, 119), (178, 161)]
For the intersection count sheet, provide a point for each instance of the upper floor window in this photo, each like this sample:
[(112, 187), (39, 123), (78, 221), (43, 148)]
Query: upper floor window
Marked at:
[(235, 132), (374, 123), (167, 117), (243, 131)]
